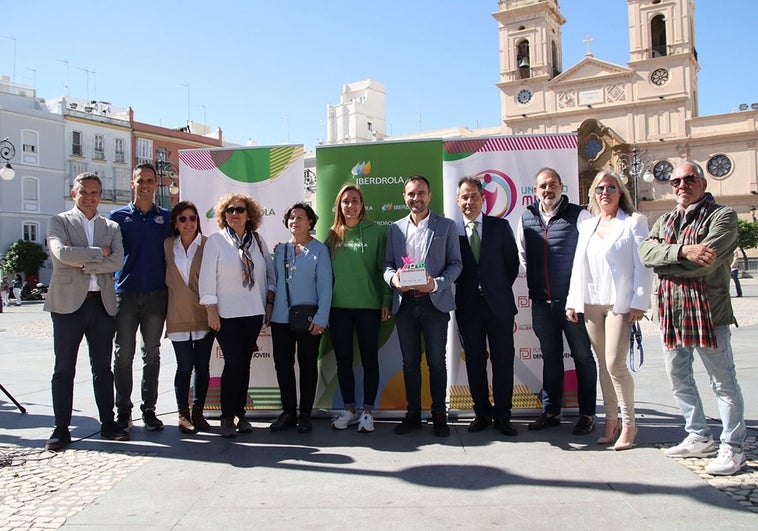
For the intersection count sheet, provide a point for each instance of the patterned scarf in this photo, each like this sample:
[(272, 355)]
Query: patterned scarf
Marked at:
[(695, 327), (248, 280)]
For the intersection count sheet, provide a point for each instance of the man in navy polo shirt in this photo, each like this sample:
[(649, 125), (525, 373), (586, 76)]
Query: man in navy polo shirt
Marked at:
[(142, 297)]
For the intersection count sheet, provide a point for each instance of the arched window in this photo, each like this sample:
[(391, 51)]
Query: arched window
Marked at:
[(658, 36), (522, 59)]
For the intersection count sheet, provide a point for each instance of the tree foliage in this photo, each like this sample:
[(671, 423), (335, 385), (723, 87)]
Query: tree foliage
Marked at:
[(747, 236), (26, 257)]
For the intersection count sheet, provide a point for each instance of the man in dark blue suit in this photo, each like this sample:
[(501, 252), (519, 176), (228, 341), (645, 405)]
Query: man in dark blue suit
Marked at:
[(485, 308)]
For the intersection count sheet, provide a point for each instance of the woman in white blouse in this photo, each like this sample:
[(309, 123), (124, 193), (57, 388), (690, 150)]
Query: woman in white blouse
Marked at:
[(611, 287), (237, 289)]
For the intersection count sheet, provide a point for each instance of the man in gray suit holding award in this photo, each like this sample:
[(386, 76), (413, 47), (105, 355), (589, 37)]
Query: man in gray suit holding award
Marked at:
[(86, 250), (423, 260)]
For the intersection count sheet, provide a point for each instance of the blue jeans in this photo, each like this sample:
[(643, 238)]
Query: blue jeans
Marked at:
[(145, 310), (719, 363), (344, 323), (550, 324), (417, 316), (192, 354)]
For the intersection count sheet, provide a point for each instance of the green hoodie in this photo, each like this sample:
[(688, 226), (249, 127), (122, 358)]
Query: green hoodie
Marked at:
[(358, 266)]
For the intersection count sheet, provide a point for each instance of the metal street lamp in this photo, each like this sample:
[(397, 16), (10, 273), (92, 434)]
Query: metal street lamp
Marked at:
[(752, 212), (633, 166), (7, 152), (166, 170)]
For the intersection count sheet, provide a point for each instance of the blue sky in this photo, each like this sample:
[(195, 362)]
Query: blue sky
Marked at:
[(266, 69)]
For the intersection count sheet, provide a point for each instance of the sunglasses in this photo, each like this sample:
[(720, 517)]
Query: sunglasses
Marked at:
[(610, 188), (236, 210), (688, 179), (183, 219)]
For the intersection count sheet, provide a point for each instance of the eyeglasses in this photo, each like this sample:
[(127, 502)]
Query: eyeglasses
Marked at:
[(183, 219), (688, 179), (610, 188), (237, 210)]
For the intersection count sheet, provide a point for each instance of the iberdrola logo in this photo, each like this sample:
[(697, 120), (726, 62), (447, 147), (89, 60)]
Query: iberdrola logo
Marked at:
[(362, 168), (499, 193)]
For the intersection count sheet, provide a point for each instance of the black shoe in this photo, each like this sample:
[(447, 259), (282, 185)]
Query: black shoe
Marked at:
[(479, 423), (283, 421), (59, 439), (506, 427), (304, 424), (585, 425), (124, 420), (114, 432), (545, 420), (411, 421), (152, 423), (439, 420)]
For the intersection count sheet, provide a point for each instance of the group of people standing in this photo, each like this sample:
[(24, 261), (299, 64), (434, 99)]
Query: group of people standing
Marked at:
[(228, 286)]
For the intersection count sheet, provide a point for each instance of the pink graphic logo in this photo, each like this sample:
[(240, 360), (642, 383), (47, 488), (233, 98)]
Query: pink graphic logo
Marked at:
[(499, 193)]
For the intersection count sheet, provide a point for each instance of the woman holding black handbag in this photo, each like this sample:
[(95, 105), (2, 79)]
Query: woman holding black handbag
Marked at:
[(300, 315)]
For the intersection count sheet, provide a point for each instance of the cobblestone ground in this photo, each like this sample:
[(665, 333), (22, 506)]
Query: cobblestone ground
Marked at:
[(743, 486), (41, 489)]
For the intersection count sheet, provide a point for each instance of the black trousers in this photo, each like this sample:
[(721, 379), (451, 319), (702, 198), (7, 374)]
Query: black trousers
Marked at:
[(285, 345), (93, 322)]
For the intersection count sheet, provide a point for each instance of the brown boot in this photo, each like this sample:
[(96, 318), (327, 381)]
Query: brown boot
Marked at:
[(185, 423), (199, 420)]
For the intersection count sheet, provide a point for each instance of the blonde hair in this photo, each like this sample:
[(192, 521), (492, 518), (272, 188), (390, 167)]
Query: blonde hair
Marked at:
[(625, 200), (339, 227)]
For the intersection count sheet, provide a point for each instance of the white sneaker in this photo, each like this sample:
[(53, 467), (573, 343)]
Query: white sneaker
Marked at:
[(346, 418), (693, 446), (727, 463), (366, 423)]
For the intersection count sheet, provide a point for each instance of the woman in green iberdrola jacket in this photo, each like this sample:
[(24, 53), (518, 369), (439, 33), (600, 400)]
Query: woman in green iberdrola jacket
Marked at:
[(360, 302)]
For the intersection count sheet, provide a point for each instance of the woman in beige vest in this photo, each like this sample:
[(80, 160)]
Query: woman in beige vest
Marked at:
[(186, 320)]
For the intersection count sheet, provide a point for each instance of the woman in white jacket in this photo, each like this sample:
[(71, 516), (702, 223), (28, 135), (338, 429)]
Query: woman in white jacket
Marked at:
[(611, 287)]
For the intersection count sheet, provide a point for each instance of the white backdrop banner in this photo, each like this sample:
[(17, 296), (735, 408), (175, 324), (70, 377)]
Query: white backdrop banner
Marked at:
[(273, 176), (507, 167)]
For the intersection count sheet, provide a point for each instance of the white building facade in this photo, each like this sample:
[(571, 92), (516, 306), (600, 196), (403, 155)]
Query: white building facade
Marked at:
[(37, 190)]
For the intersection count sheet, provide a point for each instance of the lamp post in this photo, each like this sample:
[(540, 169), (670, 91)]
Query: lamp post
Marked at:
[(752, 212), (633, 166), (7, 152), (166, 170)]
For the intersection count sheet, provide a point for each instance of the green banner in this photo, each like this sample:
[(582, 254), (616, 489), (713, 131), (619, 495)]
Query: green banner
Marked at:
[(380, 169)]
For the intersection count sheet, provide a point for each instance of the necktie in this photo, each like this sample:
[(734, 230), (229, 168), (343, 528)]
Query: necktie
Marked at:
[(475, 241)]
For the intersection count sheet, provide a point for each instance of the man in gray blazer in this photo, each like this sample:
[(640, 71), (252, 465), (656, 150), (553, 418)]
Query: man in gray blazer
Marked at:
[(423, 237), (86, 249)]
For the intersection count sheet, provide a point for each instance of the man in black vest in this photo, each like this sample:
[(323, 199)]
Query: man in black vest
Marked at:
[(484, 306), (547, 236)]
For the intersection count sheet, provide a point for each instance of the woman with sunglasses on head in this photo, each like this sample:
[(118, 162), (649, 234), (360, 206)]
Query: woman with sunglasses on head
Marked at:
[(237, 289), (611, 287), (186, 320)]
